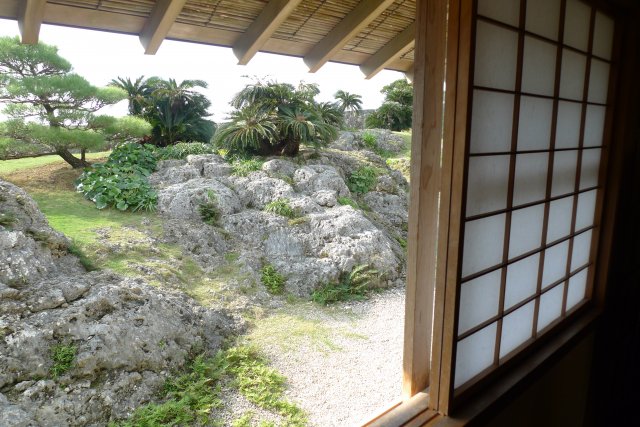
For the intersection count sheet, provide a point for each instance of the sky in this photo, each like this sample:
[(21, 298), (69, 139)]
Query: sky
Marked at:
[(101, 56)]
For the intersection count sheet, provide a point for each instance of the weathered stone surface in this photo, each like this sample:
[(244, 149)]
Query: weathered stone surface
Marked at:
[(128, 336), (182, 200)]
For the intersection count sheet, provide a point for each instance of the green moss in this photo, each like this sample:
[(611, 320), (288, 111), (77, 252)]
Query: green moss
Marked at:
[(281, 207), (7, 219), (346, 201), (298, 221), (62, 356), (272, 280)]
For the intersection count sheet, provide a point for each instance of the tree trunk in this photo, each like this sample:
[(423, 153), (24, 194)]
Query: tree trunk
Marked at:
[(291, 149), (83, 154), (75, 162)]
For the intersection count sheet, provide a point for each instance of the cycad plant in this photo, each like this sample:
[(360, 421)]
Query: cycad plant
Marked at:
[(274, 118)]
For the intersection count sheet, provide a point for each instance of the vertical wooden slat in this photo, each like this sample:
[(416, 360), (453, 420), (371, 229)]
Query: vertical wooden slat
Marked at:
[(457, 129), (29, 20), (424, 208)]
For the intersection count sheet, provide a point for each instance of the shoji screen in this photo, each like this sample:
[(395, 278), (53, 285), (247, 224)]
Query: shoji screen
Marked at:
[(540, 86)]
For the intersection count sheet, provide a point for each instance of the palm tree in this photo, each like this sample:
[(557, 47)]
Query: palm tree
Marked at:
[(138, 92), (348, 101), (295, 115)]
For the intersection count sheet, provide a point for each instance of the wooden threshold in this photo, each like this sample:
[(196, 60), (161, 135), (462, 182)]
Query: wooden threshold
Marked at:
[(412, 412)]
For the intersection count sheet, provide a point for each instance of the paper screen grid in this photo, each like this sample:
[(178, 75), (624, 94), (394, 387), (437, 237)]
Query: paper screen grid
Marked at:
[(540, 86)]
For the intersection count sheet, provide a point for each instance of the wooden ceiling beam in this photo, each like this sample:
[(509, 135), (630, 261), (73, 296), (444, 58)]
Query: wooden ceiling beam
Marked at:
[(159, 23), (352, 24), (390, 52), (261, 29), (29, 20)]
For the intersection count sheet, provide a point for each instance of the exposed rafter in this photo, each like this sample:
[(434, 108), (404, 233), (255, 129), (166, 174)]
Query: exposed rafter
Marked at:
[(271, 17), (159, 23), (390, 52), (352, 24), (29, 20)]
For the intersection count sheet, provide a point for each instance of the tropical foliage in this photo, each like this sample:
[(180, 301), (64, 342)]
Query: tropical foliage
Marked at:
[(396, 111), (176, 111), (51, 109), (272, 118), (348, 101)]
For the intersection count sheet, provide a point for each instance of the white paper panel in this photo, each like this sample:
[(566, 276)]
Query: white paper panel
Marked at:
[(576, 25), (568, 127), (539, 67), (479, 300), (590, 168), (550, 306), (560, 213), (491, 122), (577, 289), (564, 172), (586, 209), (572, 77), (526, 230), (522, 280), (507, 11), (594, 126), (488, 184), (496, 53), (602, 36), (531, 178), (517, 327), (581, 250), (598, 82), (555, 263), (543, 18), (534, 129), (474, 354), (483, 244)]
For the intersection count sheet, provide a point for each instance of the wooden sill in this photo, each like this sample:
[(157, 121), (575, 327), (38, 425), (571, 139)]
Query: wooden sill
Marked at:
[(481, 407)]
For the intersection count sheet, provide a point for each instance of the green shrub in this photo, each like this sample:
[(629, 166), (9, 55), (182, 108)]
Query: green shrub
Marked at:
[(352, 286), (183, 149), (208, 209), (243, 167), (7, 219), (122, 181), (346, 201), (370, 140), (272, 280), (281, 207), (363, 180), (62, 356)]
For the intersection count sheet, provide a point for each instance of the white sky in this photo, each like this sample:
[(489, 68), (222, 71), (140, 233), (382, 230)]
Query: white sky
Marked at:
[(101, 56)]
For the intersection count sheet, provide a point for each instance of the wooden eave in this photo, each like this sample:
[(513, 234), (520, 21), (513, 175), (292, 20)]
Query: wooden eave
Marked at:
[(302, 28)]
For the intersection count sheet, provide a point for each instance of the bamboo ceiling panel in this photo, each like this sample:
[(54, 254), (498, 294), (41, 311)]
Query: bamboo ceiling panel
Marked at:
[(384, 28), (223, 22), (126, 7)]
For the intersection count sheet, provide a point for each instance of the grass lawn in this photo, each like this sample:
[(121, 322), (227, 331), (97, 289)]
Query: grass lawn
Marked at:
[(9, 166)]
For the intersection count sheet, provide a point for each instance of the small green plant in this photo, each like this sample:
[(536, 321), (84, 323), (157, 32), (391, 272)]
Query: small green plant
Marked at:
[(62, 356), (183, 149), (85, 261), (231, 256), (353, 286), (208, 209), (346, 201), (272, 280), (244, 420), (281, 207), (243, 167), (370, 140), (363, 179), (403, 242), (297, 221), (7, 219)]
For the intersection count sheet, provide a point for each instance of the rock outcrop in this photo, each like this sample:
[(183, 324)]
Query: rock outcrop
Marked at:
[(125, 337), (331, 234)]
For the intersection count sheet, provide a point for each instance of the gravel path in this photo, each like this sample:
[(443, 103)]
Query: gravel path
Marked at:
[(343, 363)]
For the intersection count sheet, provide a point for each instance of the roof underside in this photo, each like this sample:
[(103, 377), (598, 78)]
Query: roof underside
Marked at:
[(374, 34)]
